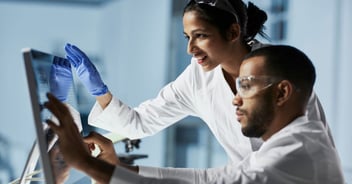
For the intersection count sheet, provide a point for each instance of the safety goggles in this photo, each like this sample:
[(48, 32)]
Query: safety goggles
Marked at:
[(249, 86), (224, 5)]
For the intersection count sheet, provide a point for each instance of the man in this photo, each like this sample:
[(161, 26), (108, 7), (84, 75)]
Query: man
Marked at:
[(273, 88)]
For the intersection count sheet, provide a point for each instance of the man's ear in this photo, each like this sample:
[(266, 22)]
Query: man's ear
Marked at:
[(284, 89), (234, 32)]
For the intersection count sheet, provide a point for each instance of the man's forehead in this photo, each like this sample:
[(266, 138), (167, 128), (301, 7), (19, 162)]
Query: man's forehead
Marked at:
[(252, 66)]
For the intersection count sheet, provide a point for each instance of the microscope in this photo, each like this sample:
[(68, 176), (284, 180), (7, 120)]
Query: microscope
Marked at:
[(129, 158)]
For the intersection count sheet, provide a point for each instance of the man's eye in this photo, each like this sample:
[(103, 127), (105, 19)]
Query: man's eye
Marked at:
[(186, 37), (245, 87)]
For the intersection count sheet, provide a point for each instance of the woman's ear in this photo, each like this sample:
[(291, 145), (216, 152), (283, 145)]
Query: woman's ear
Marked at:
[(284, 89), (234, 32)]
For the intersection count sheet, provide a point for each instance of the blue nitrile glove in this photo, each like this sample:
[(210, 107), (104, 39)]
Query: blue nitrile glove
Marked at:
[(86, 71), (60, 78)]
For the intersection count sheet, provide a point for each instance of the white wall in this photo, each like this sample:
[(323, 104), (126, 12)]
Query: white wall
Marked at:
[(343, 89), (311, 28)]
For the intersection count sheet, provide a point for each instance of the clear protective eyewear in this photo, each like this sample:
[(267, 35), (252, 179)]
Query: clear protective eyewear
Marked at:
[(249, 86), (224, 5)]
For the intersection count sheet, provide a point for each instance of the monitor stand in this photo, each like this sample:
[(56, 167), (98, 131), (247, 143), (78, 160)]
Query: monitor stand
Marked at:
[(31, 163)]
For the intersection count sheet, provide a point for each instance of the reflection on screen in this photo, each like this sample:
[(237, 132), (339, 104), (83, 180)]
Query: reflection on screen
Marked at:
[(42, 64)]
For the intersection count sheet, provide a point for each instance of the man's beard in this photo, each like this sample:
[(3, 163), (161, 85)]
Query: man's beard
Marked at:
[(261, 117)]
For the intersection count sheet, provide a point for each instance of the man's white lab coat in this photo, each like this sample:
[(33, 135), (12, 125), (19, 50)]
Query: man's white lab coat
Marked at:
[(300, 153)]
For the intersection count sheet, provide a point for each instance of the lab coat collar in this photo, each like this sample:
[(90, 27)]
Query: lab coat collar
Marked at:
[(296, 122)]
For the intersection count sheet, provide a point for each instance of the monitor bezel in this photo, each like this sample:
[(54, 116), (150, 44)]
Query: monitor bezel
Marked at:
[(36, 111)]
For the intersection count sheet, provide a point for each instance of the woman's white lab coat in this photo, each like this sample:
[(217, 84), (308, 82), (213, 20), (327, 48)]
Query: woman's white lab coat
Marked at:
[(195, 92), (300, 153)]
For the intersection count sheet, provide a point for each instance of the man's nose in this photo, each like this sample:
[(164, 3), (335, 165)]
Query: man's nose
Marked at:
[(237, 100)]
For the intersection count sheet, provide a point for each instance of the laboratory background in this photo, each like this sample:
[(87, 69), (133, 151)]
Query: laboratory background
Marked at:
[(138, 46)]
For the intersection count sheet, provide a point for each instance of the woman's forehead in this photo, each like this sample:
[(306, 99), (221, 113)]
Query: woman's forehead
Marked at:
[(192, 21)]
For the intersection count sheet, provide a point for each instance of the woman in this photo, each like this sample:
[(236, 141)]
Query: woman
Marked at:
[(220, 33)]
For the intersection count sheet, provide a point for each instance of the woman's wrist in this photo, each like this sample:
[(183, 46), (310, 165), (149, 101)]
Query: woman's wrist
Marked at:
[(104, 100)]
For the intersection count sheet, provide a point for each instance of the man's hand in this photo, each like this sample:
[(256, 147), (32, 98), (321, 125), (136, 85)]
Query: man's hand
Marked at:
[(107, 151), (74, 151), (72, 147)]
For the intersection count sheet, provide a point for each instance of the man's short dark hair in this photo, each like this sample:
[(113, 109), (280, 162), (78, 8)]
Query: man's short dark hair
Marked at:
[(288, 63)]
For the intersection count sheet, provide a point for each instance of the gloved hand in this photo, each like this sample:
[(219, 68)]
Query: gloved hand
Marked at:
[(86, 71), (61, 78)]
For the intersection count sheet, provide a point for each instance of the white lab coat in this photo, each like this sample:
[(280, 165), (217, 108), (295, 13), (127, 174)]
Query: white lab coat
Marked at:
[(195, 92), (300, 153)]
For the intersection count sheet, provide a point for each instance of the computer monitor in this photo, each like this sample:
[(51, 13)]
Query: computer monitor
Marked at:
[(38, 67)]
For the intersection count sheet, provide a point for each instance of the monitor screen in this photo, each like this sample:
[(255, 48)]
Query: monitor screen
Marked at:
[(51, 166)]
